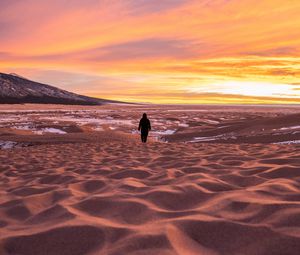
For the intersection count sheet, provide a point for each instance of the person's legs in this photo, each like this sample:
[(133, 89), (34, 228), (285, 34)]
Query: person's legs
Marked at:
[(142, 137)]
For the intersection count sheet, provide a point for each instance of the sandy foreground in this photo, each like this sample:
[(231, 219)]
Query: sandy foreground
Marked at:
[(107, 193)]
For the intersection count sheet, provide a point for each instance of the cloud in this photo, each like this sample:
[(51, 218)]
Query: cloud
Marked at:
[(5, 55), (142, 49), (194, 98), (142, 7), (295, 86), (284, 72), (152, 48), (280, 51)]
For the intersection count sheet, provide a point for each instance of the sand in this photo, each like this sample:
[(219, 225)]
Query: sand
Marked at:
[(124, 197), (226, 182)]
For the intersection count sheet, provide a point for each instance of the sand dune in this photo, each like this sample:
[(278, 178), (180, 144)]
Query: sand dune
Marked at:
[(123, 197)]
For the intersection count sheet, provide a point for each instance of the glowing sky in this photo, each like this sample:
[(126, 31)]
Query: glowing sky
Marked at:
[(162, 51)]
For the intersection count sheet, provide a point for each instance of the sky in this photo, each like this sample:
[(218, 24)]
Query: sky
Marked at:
[(157, 51)]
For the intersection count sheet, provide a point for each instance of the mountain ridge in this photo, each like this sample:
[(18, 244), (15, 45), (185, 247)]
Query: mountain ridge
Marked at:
[(15, 89)]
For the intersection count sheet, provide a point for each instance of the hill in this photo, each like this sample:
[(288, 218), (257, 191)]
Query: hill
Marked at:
[(15, 89)]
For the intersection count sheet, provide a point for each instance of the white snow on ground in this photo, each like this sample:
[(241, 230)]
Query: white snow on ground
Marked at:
[(41, 131), (210, 138), (289, 142), (211, 121), (50, 130), (165, 132), (203, 139), (155, 134), (183, 125), (84, 121), (287, 128), (7, 144)]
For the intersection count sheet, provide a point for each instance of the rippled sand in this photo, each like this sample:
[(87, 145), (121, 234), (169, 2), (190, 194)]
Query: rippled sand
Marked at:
[(106, 193), (123, 197)]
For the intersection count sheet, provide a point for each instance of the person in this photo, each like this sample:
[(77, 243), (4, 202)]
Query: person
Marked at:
[(144, 127)]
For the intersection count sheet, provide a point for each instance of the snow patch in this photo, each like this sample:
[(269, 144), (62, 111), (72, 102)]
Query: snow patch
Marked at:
[(292, 127), (50, 130), (7, 145), (84, 121), (183, 125), (165, 132), (211, 121), (289, 142)]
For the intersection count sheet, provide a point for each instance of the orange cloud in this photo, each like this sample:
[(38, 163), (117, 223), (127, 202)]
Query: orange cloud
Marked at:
[(117, 49)]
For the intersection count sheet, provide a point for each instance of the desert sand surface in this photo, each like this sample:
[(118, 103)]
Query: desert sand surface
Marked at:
[(77, 181)]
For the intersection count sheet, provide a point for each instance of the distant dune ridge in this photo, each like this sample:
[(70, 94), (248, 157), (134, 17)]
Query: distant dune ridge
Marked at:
[(15, 89)]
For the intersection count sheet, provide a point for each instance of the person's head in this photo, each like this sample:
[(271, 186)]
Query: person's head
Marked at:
[(145, 116)]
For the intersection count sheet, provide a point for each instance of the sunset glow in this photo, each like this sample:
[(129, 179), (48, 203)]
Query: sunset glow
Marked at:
[(166, 51)]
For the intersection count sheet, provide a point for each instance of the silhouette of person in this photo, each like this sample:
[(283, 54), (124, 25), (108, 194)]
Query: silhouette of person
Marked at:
[(144, 127)]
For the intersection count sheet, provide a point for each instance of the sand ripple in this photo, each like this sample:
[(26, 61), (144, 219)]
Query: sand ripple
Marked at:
[(130, 198)]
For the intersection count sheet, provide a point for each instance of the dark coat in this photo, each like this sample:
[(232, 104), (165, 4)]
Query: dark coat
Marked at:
[(145, 125)]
